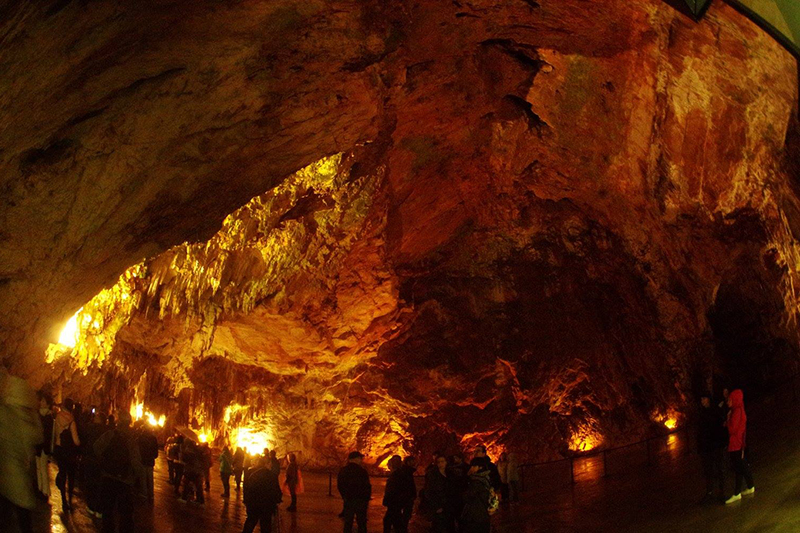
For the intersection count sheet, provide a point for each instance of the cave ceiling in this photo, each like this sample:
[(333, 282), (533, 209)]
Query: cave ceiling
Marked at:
[(397, 224)]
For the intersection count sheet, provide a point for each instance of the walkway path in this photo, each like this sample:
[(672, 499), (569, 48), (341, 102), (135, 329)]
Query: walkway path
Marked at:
[(634, 497)]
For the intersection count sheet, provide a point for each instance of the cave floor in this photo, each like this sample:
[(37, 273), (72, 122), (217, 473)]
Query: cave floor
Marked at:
[(634, 497)]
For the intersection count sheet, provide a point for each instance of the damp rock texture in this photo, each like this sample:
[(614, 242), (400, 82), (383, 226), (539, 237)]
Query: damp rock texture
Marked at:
[(540, 225)]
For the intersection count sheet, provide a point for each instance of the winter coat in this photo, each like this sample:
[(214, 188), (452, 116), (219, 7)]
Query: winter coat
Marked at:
[(205, 457), (476, 499), (737, 422), (226, 463), (135, 471), (486, 464), (353, 483), (148, 448), (292, 474), (711, 433), (192, 458), (65, 422), (436, 490), (275, 466), (238, 460), (47, 431), (398, 493), (261, 489), (20, 433), (293, 480)]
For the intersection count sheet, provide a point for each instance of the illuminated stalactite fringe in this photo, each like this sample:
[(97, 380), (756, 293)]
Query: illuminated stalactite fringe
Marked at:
[(184, 306)]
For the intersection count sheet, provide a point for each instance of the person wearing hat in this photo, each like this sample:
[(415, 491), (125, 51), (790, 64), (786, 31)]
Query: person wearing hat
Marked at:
[(356, 490)]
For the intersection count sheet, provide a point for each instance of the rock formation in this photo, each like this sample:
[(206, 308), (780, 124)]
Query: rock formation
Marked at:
[(540, 225)]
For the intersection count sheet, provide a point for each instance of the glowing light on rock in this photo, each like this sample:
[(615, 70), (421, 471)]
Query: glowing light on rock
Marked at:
[(203, 437), (669, 419), (585, 439), (137, 411), (251, 440), (69, 335), (155, 422)]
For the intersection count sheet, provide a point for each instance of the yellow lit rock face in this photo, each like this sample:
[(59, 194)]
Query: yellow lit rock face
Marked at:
[(255, 298), (399, 225)]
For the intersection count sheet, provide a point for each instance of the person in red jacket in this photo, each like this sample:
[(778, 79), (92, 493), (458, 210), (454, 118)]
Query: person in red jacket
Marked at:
[(737, 431)]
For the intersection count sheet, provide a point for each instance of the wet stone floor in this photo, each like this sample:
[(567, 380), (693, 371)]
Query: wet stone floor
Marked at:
[(634, 496)]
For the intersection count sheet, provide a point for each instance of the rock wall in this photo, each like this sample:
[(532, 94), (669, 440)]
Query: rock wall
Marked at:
[(541, 225)]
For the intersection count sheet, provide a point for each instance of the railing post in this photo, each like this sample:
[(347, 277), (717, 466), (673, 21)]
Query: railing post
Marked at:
[(572, 469), (605, 465)]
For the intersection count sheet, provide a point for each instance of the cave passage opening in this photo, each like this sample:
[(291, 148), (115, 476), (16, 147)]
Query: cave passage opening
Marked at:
[(223, 338)]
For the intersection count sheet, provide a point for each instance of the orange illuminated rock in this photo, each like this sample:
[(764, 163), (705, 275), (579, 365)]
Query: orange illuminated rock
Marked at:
[(527, 224)]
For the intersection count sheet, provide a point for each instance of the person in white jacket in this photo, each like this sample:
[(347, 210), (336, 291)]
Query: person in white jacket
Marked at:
[(20, 433)]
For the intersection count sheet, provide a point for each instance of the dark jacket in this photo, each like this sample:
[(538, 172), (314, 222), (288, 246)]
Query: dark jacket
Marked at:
[(238, 460), (398, 493), (292, 478), (275, 465), (47, 432), (122, 464), (437, 490), (409, 488), (486, 464), (261, 489), (476, 499), (192, 458), (711, 433), (353, 483), (148, 448)]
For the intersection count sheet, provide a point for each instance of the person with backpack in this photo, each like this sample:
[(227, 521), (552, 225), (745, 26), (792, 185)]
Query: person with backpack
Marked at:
[(148, 450), (117, 451), (226, 471), (480, 500), (486, 463), (262, 494), (65, 451)]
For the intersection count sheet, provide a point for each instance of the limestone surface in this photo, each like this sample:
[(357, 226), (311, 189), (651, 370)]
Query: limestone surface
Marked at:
[(540, 225)]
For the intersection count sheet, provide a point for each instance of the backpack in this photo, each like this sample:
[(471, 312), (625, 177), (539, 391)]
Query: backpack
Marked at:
[(65, 438), (116, 458), (494, 502)]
